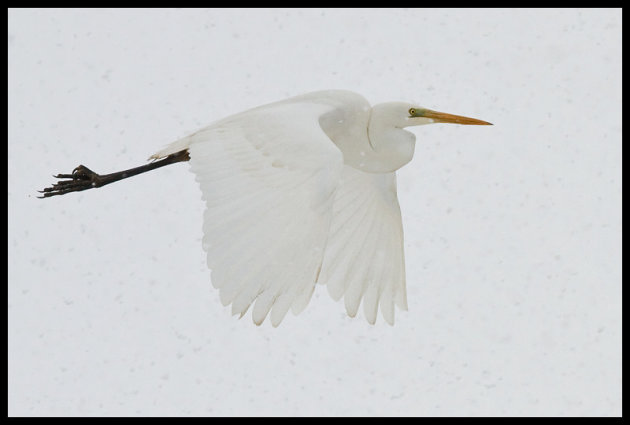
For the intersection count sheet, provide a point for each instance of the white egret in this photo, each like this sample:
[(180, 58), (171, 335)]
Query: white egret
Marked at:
[(299, 192)]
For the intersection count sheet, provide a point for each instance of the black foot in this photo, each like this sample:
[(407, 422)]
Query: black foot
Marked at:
[(82, 178)]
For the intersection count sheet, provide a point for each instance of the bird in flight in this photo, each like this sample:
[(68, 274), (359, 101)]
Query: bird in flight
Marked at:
[(298, 192)]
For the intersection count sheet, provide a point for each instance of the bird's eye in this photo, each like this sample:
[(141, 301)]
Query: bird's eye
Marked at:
[(412, 112)]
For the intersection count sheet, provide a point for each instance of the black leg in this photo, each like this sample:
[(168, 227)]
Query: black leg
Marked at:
[(82, 178)]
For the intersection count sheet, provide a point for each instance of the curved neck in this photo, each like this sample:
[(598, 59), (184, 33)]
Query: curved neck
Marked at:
[(393, 147)]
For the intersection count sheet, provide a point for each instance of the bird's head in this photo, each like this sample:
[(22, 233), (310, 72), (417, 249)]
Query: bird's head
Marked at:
[(394, 144)]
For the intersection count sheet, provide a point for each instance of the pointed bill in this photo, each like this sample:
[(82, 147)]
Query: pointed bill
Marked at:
[(448, 118)]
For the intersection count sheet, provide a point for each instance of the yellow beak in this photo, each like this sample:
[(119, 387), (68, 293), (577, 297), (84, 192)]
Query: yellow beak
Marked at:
[(449, 118)]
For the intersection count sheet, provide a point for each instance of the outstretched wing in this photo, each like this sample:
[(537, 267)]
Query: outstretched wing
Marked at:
[(268, 177), (364, 256)]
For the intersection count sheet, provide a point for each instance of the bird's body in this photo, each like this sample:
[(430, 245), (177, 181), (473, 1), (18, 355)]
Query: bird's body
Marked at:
[(303, 191)]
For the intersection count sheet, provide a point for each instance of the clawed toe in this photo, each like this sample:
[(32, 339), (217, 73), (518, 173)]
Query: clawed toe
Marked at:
[(83, 172), (82, 178)]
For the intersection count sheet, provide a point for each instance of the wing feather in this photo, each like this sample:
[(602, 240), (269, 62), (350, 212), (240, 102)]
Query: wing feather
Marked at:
[(364, 260)]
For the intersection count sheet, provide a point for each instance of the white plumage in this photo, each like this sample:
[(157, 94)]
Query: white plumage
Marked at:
[(303, 191)]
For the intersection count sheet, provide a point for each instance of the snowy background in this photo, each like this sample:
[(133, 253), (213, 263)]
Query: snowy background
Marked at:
[(512, 232)]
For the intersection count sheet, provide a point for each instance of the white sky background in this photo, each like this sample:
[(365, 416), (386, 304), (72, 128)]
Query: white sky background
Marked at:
[(512, 232)]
